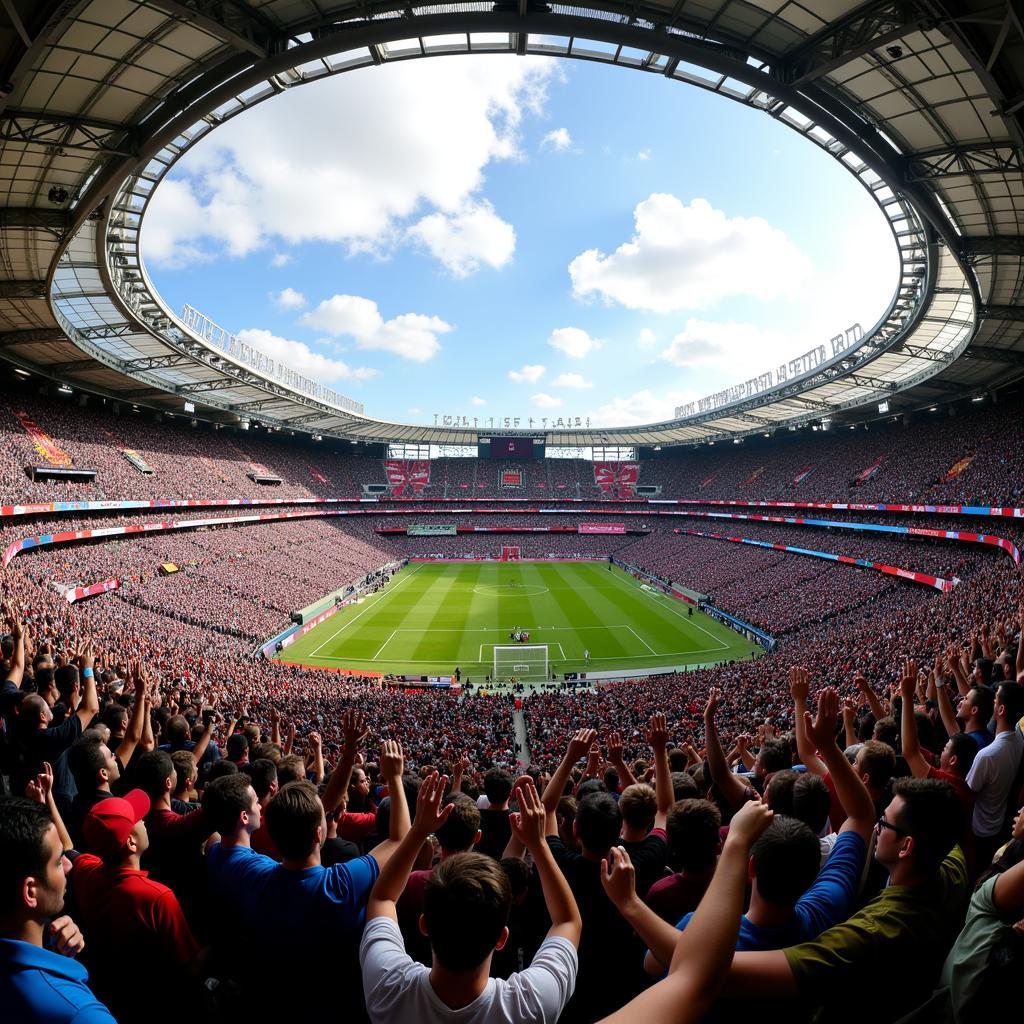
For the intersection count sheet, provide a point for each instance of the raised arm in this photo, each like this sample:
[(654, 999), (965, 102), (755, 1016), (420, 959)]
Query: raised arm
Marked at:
[(394, 872), (458, 772), (946, 711), (703, 952), (852, 793), (657, 737), (578, 746), (392, 764), (954, 660), (41, 790), (617, 761), (136, 721), (316, 748), (204, 741), (528, 826), (733, 791), (869, 695), (799, 687), (910, 743), (353, 727), (90, 705), (16, 673)]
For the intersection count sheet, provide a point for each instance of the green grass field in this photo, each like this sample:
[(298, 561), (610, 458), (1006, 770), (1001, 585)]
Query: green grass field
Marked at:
[(436, 616)]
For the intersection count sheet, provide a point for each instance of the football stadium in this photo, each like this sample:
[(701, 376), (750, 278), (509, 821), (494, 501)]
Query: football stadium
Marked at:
[(527, 535)]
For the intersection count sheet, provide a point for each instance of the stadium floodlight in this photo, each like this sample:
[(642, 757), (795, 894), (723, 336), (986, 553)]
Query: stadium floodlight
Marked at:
[(883, 407), (525, 662), (190, 407)]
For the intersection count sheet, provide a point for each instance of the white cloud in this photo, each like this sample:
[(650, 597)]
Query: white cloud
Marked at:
[(644, 154), (641, 407), (414, 411), (463, 240), (281, 259), (410, 335), (298, 356), (528, 374), (558, 139), (477, 400), (573, 341), (265, 179), (545, 401), (731, 347), (572, 380), (690, 257), (646, 338), (289, 298)]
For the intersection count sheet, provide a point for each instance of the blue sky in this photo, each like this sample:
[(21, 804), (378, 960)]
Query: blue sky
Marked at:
[(499, 236)]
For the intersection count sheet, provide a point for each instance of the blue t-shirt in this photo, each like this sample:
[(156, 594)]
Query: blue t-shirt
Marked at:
[(828, 901), (40, 987)]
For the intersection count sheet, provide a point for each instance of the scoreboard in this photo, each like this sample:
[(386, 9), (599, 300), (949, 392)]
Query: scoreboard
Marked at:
[(511, 448)]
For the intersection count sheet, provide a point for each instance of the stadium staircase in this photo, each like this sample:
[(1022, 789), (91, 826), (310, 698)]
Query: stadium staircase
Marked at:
[(522, 743)]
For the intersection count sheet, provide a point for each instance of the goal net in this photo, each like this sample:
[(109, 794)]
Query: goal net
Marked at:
[(527, 662), (510, 553)]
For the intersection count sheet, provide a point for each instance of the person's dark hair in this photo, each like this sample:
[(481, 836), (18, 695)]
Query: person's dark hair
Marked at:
[(293, 816), (932, 814), (684, 786), (886, 731), (786, 860), (778, 793), (177, 731), (66, 678), (498, 786), (219, 770), (224, 799), (985, 670), (812, 801), (152, 771), (965, 750), (266, 749), (23, 854), (611, 780), (518, 872), (925, 730), (113, 716), (590, 787), (263, 774), (598, 822), (984, 700), (459, 831), (85, 759), (677, 760), (1011, 696), (465, 904), (693, 835), (1012, 855), (184, 766), (236, 746), (878, 762), (43, 677), (774, 756), (638, 805), (566, 809)]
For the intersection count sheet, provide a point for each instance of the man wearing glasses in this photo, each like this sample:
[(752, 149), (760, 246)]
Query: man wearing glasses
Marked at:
[(897, 942)]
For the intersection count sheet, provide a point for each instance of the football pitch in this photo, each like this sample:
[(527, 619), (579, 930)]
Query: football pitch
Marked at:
[(433, 617)]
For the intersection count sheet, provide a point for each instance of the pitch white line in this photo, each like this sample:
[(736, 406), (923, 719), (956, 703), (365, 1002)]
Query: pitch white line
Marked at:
[(386, 642), (642, 640), (349, 622)]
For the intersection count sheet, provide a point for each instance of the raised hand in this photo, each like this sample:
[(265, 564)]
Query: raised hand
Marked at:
[(908, 679), (431, 811), (861, 683), (749, 822), (822, 728), (712, 706), (580, 743), (353, 726), (615, 747), (594, 760), (315, 742), (657, 733), (392, 761), (618, 876), (799, 683), (66, 937), (528, 824)]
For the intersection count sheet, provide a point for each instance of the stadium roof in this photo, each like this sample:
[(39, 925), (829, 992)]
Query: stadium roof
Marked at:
[(921, 101)]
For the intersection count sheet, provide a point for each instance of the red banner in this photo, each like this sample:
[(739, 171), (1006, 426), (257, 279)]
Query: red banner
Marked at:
[(802, 475), (866, 474), (42, 442), (707, 480), (73, 594), (753, 476), (318, 476), (407, 474), (601, 528), (617, 479), (512, 478), (957, 468)]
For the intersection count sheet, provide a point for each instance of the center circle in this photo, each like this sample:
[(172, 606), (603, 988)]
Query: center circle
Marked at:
[(507, 590)]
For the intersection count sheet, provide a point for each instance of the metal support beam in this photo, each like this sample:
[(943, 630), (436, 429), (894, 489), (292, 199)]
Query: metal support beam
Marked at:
[(219, 384), (72, 366), (307, 418), (157, 363), (988, 354), (34, 217), (955, 161), (867, 29), (234, 23), (32, 128), (1015, 313), (22, 289), (32, 336), (993, 245)]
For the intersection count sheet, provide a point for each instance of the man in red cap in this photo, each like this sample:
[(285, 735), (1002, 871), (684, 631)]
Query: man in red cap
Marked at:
[(133, 923)]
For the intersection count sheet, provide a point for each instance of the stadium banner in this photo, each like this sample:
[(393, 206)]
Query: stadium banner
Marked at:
[(512, 478), (956, 469), (617, 479), (41, 440), (407, 474), (137, 461), (707, 480), (866, 474), (850, 506), (318, 476), (937, 582), (801, 476), (753, 476), (601, 528), (73, 594), (431, 530), (745, 629)]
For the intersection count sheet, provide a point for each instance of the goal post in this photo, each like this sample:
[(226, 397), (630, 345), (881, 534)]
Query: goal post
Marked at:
[(526, 662)]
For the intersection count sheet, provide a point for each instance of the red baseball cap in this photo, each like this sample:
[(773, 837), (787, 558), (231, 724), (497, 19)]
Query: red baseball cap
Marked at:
[(109, 823)]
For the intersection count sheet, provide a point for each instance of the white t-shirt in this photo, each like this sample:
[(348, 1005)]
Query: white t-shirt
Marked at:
[(398, 989)]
